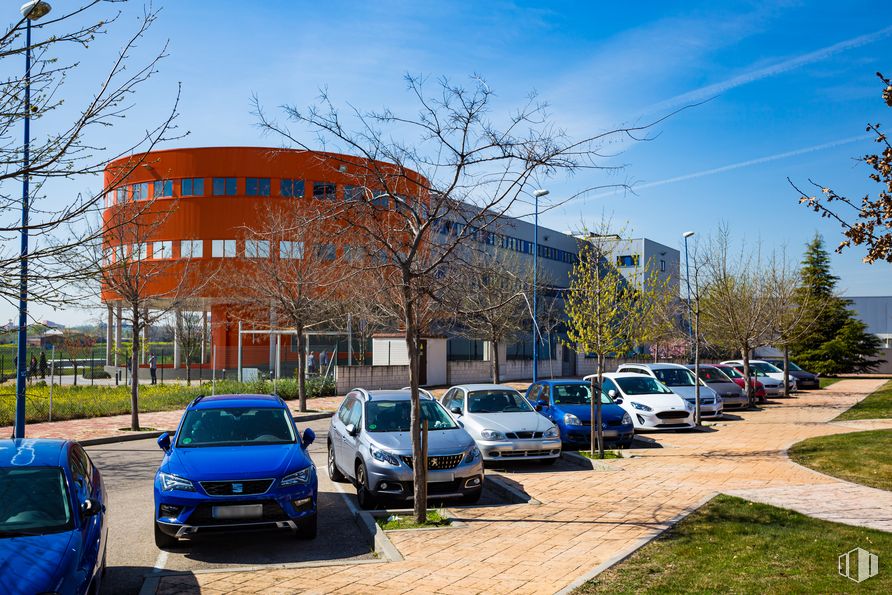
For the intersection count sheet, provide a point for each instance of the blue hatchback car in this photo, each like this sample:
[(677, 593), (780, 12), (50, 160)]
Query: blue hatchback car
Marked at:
[(236, 462), (568, 404), (53, 529)]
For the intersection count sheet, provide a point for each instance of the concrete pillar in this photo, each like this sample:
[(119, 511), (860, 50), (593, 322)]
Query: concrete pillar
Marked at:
[(119, 331), (109, 335), (177, 322), (143, 348), (272, 341)]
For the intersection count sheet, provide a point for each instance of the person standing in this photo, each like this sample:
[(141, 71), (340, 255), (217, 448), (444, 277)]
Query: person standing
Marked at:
[(323, 362), (32, 369), (43, 365), (311, 363), (153, 368)]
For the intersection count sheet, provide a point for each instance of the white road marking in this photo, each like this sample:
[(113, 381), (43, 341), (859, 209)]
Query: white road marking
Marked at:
[(160, 561)]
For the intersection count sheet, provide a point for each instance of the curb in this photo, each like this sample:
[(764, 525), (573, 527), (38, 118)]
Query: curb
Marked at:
[(155, 434), (376, 535), (627, 553), (509, 492)]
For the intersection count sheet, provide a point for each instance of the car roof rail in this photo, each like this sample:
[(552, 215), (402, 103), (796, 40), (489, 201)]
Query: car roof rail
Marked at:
[(196, 400), (363, 392), (422, 392)]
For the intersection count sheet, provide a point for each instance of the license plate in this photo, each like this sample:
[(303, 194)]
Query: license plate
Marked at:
[(248, 511)]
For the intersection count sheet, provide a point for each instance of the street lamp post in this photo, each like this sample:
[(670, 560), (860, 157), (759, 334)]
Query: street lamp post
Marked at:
[(536, 195), (687, 267), (695, 342), (32, 11)]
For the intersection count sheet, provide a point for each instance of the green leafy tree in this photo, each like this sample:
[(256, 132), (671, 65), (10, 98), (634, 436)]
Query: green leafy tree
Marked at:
[(835, 342)]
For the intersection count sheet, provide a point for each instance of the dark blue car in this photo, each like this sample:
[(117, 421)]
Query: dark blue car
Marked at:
[(568, 404), (236, 462), (53, 528)]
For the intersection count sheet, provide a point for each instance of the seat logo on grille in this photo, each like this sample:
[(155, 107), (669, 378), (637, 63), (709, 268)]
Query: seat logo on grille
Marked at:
[(238, 488)]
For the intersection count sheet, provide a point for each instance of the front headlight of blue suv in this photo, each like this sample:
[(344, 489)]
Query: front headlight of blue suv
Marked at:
[(170, 482), (641, 406), (302, 477), (551, 432), (627, 419), (384, 456), (571, 420)]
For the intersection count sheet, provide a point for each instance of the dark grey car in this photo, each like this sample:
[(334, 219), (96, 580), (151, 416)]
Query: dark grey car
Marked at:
[(370, 444), (804, 379), (730, 392)]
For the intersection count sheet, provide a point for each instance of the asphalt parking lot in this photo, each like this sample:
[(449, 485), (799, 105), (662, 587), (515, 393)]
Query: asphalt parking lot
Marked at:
[(128, 469)]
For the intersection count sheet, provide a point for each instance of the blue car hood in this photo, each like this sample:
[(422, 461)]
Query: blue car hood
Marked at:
[(236, 462), (609, 412), (33, 564)]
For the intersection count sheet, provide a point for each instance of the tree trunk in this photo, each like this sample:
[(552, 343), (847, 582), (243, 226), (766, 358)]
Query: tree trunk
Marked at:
[(188, 371), (419, 466), (596, 433), (134, 372), (786, 371), (697, 411), (749, 382), (301, 368), (495, 360)]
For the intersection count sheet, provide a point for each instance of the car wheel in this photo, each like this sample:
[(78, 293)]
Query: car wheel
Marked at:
[(306, 528), (363, 495), (333, 471), (162, 540)]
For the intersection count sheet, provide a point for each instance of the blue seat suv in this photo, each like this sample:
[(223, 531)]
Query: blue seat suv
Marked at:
[(236, 462), (568, 404)]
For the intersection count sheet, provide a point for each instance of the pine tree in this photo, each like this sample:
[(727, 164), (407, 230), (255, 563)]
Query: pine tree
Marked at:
[(835, 342)]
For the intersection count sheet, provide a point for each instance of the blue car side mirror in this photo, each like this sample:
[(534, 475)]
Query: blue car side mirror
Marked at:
[(542, 403), (308, 437), (164, 441)]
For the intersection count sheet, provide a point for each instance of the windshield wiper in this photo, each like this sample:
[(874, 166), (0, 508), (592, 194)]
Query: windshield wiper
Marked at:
[(20, 533)]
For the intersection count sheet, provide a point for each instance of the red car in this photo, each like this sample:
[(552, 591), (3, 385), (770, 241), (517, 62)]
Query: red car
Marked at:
[(737, 376)]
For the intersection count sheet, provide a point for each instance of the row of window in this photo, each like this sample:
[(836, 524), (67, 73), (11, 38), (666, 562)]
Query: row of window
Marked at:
[(288, 187), (506, 242), (219, 249)]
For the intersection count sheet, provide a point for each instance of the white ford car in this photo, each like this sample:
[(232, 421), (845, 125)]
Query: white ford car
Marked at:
[(650, 403), (763, 368), (503, 423)]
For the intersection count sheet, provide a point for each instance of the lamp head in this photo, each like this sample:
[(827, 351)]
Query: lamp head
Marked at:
[(687, 234), (35, 9), (540, 193)]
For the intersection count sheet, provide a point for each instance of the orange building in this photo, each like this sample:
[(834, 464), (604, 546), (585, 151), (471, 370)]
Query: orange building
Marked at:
[(200, 202)]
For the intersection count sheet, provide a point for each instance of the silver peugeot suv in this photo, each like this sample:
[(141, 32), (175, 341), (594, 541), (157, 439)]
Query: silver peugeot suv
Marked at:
[(370, 444)]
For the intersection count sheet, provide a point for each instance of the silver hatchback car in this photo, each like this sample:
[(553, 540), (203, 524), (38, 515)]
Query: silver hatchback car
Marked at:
[(370, 445)]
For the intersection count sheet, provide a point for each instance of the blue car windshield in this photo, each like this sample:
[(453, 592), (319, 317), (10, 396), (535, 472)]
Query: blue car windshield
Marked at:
[(394, 416), (575, 394), (34, 501), (497, 401), (236, 426)]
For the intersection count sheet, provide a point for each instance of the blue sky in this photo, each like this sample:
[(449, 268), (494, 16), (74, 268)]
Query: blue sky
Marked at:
[(792, 87)]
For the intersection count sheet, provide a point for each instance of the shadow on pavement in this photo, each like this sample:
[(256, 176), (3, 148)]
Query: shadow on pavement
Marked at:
[(124, 579)]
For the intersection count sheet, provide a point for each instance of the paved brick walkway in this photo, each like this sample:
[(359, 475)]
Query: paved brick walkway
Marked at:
[(589, 517)]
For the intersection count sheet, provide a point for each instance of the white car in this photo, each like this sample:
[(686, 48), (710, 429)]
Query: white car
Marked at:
[(503, 423), (763, 368), (649, 402), (680, 380)]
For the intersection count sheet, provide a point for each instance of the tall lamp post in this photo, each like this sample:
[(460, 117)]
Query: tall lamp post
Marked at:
[(32, 11), (536, 195), (687, 267)]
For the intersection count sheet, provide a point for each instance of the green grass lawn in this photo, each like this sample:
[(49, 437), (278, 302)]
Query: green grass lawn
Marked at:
[(861, 457), (825, 382), (435, 518), (735, 546), (877, 405), (608, 454)]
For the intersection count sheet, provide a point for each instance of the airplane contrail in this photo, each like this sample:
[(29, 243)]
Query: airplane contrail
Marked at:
[(768, 71), (739, 165)]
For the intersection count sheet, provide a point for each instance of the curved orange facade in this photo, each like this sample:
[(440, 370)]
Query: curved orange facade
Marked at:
[(199, 203)]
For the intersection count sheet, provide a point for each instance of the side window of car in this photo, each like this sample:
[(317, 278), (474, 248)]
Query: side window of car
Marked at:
[(79, 471), (544, 395), (608, 386), (447, 398), (344, 410), (355, 415)]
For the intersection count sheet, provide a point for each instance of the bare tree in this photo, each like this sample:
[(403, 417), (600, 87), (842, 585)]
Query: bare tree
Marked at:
[(734, 299), (297, 265), (431, 182), (77, 345), (489, 290), (866, 222), (188, 330)]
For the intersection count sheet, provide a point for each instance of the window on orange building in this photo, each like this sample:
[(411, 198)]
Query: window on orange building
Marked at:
[(192, 187), (291, 250), (354, 193), (141, 191), (121, 194), (162, 188), (291, 188), (138, 251), (324, 190), (256, 186), (256, 249), (162, 249), (225, 187), (325, 251), (223, 248), (191, 248)]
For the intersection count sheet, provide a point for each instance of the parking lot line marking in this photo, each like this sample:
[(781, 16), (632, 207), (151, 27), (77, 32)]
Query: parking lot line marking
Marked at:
[(160, 562)]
